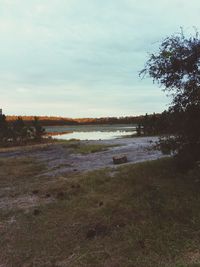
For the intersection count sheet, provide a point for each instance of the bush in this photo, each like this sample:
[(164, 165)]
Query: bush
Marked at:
[(176, 67)]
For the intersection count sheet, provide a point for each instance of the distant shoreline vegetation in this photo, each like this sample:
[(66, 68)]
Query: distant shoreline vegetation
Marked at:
[(62, 121), (18, 132), (27, 130)]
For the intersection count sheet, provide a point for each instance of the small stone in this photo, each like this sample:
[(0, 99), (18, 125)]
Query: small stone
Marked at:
[(97, 230), (60, 195), (142, 244), (36, 212), (91, 234), (120, 159), (75, 186), (100, 203), (35, 192)]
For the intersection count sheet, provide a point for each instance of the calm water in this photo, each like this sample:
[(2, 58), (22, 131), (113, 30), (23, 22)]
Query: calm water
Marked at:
[(91, 132)]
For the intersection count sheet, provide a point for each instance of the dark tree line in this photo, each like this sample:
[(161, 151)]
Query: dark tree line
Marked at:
[(176, 66), (53, 121), (18, 133), (155, 124)]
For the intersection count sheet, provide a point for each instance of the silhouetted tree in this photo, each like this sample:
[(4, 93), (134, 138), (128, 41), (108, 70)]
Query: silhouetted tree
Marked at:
[(18, 132), (176, 66), (38, 129), (3, 128)]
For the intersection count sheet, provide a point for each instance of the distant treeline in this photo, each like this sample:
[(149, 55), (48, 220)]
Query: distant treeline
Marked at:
[(44, 120), (24, 130), (55, 121)]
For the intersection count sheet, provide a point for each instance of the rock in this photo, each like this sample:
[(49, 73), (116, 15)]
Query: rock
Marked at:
[(35, 192), (100, 203), (120, 159), (97, 230), (60, 195), (36, 212), (75, 186), (141, 243), (91, 233)]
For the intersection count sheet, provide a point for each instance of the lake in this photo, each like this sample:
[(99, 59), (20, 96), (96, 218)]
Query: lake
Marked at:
[(91, 132)]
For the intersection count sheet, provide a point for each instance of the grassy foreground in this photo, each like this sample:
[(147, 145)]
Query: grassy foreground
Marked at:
[(140, 215)]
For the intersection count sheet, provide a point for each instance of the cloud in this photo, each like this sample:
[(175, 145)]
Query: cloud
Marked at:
[(78, 52)]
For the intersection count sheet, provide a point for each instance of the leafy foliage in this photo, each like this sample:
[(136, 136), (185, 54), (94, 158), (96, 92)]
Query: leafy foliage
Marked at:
[(38, 130), (154, 124), (176, 66), (18, 132)]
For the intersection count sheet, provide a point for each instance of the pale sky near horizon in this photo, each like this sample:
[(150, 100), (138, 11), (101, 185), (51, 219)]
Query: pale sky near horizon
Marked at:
[(81, 58)]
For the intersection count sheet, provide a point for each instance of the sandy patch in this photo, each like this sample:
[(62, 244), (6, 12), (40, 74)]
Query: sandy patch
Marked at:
[(60, 160)]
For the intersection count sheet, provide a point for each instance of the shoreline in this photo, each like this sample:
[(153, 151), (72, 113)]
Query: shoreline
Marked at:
[(66, 157)]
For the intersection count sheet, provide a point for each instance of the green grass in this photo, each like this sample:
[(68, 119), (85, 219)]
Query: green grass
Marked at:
[(142, 215), (92, 148), (84, 148)]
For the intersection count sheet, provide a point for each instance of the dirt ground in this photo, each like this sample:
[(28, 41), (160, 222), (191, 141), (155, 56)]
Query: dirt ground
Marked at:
[(60, 158), (67, 205)]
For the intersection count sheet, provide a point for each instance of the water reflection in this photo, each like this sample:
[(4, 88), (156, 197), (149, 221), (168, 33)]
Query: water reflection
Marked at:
[(93, 135), (90, 132)]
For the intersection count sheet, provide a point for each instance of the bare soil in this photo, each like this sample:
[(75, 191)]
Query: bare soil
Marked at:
[(60, 158)]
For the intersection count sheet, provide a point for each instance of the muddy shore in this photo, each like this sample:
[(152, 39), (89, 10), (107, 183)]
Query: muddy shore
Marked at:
[(59, 158)]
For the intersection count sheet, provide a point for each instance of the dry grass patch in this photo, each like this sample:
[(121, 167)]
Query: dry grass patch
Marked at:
[(18, 177), (145, 215), (84, 148)]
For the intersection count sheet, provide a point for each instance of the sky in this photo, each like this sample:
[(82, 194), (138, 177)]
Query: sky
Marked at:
[(82, 58)]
